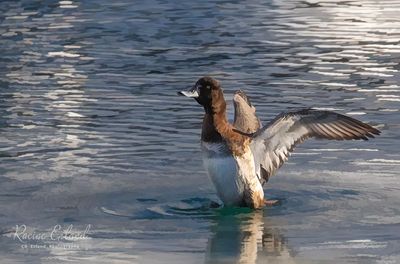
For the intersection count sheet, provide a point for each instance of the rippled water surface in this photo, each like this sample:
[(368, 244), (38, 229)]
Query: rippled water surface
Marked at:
[(92, 132)]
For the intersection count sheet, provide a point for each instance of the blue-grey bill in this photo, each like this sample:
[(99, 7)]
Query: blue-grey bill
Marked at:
[(192, 93)]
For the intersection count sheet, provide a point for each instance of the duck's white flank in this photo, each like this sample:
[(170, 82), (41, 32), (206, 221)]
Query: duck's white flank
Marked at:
[(233, 177), (222, 170)]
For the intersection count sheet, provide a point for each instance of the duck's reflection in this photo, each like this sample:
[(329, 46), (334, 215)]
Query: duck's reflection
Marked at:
[(246, 238)]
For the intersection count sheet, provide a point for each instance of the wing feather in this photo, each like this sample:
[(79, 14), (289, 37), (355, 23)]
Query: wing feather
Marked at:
[(273, 144)]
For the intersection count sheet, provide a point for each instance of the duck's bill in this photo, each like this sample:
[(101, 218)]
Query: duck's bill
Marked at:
[(192, 93)]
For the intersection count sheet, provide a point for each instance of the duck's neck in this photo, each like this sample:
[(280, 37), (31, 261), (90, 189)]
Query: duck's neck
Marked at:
[(215, 123), (217, 129)]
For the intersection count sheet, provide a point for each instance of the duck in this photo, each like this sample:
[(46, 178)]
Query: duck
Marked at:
[(239, 160)]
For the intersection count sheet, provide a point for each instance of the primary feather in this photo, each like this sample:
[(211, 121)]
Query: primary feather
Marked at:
[(272, 144)]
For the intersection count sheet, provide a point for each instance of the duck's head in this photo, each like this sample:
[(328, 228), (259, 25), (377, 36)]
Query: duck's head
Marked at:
[(207, 92)]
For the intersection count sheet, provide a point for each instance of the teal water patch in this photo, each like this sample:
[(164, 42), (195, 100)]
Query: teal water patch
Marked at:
[(196, 207), (146, 200), (191, 207)]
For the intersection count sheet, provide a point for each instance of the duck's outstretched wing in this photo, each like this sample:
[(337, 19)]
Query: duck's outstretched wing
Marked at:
[(272, 144)]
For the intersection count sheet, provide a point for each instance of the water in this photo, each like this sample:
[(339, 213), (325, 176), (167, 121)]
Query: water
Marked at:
[(92, 132)]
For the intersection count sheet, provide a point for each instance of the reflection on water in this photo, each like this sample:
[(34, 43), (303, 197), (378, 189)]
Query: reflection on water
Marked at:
[(242, 238), (91, 131)]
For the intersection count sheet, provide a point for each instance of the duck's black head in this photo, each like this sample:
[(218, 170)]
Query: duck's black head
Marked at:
[(207, 91)]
